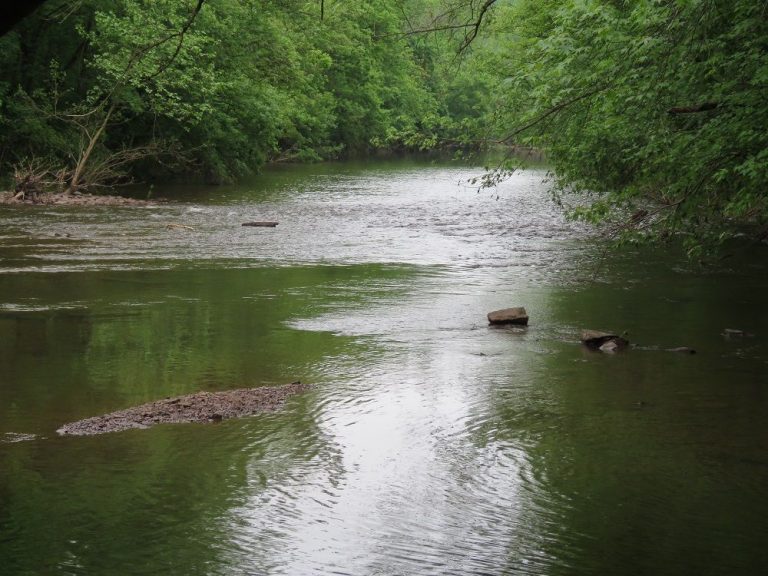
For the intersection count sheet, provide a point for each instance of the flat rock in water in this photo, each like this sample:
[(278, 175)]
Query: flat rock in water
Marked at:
[(509, 316), (199, 407)]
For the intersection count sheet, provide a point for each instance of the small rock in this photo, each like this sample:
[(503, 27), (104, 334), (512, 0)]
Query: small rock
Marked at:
[(509, 316), (596, 338), (614, 345), (734, 333), (12, 437), (603, 341)]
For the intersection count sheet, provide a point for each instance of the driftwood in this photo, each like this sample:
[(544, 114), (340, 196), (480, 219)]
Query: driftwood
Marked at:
[(265, 224)]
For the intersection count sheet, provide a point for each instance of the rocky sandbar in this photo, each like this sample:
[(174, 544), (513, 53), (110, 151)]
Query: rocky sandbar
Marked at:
[(198, 407)]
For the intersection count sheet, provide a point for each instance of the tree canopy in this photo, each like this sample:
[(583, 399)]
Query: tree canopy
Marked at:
[(218, 88), (655, 111)]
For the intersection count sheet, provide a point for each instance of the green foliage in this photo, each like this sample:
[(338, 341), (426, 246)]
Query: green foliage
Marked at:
[(648, 105), (230, 87)]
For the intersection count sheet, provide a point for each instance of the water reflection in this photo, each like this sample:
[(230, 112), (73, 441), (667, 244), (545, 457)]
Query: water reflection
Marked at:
[(424, 216)]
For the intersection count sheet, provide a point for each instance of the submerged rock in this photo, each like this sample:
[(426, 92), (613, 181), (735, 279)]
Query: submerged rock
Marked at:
[(509, 316), (603, 341), (13, 437), (735, 333), (199, 407), (613, 345), (682, 350)]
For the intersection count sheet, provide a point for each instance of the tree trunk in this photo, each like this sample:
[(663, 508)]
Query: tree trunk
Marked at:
[(78, 173)]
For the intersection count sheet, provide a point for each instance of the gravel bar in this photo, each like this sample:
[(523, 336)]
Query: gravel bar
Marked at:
[(198, 407)]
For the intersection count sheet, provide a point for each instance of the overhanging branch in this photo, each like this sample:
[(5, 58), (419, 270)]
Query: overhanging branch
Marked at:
[(180, 35), (475, 26), (552, 111), (445, 22)]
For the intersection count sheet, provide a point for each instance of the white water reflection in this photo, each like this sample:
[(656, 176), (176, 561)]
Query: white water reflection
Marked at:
[(416, 478), (409, 494), (422, 216)]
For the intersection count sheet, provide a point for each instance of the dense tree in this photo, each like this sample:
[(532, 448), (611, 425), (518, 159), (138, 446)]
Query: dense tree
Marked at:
[(654, 110), (214, 88)]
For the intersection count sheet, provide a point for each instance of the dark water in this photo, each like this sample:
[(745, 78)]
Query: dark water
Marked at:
[(431, 444)]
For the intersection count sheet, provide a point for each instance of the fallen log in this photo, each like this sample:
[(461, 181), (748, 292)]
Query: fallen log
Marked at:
[(199, 407), (265, 224)]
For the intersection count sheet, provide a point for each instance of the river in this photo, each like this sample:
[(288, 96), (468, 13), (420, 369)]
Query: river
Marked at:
[(430, 443)]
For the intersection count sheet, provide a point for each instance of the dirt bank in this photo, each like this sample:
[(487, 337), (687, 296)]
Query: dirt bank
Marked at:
[(199, 407)]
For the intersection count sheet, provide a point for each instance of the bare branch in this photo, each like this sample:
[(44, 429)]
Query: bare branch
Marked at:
[(554, 110), (475, 26), (471, 26), (180, 35)]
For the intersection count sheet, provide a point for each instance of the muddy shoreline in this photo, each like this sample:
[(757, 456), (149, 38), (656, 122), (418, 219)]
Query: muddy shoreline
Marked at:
[(198, 407)]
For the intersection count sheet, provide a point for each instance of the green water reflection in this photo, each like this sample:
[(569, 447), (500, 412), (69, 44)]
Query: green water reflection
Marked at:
[(76, 345), (648, 462)]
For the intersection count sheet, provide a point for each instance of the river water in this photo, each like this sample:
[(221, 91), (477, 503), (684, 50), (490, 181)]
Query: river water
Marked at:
[(430, 442)]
